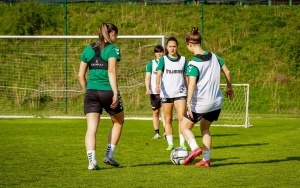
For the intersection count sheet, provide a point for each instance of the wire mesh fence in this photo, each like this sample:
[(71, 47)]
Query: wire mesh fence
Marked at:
[(187, 2)]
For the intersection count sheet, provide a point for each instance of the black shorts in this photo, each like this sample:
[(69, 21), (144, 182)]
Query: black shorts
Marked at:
[(172, 100), (209, 116), (95, 101), (155, 101)]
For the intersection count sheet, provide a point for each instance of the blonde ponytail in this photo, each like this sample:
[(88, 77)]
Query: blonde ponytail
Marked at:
[(104, 30)]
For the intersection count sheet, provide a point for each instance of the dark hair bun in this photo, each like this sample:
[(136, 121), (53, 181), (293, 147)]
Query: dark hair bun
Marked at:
[(194, 30)]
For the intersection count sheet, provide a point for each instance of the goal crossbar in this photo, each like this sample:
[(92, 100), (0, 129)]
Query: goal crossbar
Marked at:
[(162, 37)]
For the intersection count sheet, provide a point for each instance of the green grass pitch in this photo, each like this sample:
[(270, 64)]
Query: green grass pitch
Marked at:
[(51, 153)]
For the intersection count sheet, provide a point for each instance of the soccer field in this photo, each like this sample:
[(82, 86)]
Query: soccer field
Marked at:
[(51, 153)]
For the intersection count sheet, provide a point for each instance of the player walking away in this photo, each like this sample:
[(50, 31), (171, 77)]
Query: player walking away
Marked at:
[(204, 98), (101, 92), (171, 84), (150, 80)]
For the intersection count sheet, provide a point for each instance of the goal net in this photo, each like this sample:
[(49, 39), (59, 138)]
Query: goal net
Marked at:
[(38, 78), (235, 112)]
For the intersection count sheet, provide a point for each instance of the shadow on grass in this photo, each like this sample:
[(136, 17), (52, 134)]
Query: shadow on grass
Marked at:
[(153, 164), (225, 164), (108, 167), (224, 159), (240, 145), (218, 135), (293, 158)]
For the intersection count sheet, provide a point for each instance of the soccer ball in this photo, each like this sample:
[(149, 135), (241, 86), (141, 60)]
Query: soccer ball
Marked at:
[(178, 155)]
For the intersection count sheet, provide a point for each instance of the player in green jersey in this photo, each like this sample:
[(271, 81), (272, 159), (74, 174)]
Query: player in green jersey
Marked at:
[(101, 92)]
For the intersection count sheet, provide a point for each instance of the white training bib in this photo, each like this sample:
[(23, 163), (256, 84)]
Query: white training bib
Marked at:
[(173, 82)]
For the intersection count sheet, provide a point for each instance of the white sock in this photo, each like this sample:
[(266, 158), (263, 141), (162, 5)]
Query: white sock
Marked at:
[(91, 154), (181, 139), (170, 139), (193, 144), (110, 150), (206, 155)]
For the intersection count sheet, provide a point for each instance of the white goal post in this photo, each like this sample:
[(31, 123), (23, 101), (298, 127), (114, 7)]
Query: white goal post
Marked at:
[(38, 78), (235, 112)]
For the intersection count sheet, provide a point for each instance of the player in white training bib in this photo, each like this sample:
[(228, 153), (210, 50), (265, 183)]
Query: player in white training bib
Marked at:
[(150, 83), (171, 84), (204, 98)]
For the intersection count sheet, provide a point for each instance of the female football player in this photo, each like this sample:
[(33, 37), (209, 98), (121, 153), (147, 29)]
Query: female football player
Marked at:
[(101, 92), (171, 84), (204, 98), (150, 80)]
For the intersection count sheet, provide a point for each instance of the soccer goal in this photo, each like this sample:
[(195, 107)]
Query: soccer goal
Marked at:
[(38, 78), (235, 111)]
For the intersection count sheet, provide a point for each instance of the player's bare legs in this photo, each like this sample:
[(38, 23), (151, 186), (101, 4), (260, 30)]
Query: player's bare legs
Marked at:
[(168, 116), (206, 140), (155, 121), (113, 138), (206, 136), (186, 129), (180, 109), (116, 130), (90, 139), (93, 120), (163, 121), (155, 116)]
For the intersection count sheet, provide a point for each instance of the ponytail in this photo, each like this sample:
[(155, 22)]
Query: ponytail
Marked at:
[(104, 30)]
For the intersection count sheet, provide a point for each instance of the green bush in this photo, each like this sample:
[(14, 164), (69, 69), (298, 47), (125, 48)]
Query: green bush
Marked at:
[(34, 19)]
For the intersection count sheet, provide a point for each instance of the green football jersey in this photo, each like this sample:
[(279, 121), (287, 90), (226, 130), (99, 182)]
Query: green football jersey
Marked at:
[(98, 77)]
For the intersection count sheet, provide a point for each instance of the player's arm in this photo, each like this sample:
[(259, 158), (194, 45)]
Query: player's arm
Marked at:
[(191, 89), (148, 77), (158, 80), (147, 82), (112, 75), (229, 89), (86, 56), (159, 72), (186, 78), (193, 74), (81, 75), (114, 56), (225, 70)]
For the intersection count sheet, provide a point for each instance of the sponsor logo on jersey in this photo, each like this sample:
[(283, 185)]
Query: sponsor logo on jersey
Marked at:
[(98, 63), (174, 71), (117, 51), (182, 89)]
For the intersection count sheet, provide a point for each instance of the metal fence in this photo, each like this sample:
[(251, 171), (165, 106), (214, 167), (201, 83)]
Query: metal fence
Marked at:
[(187, 2)]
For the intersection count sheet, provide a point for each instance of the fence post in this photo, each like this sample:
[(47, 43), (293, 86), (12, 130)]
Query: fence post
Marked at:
[(66, 57), (202, 22)]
